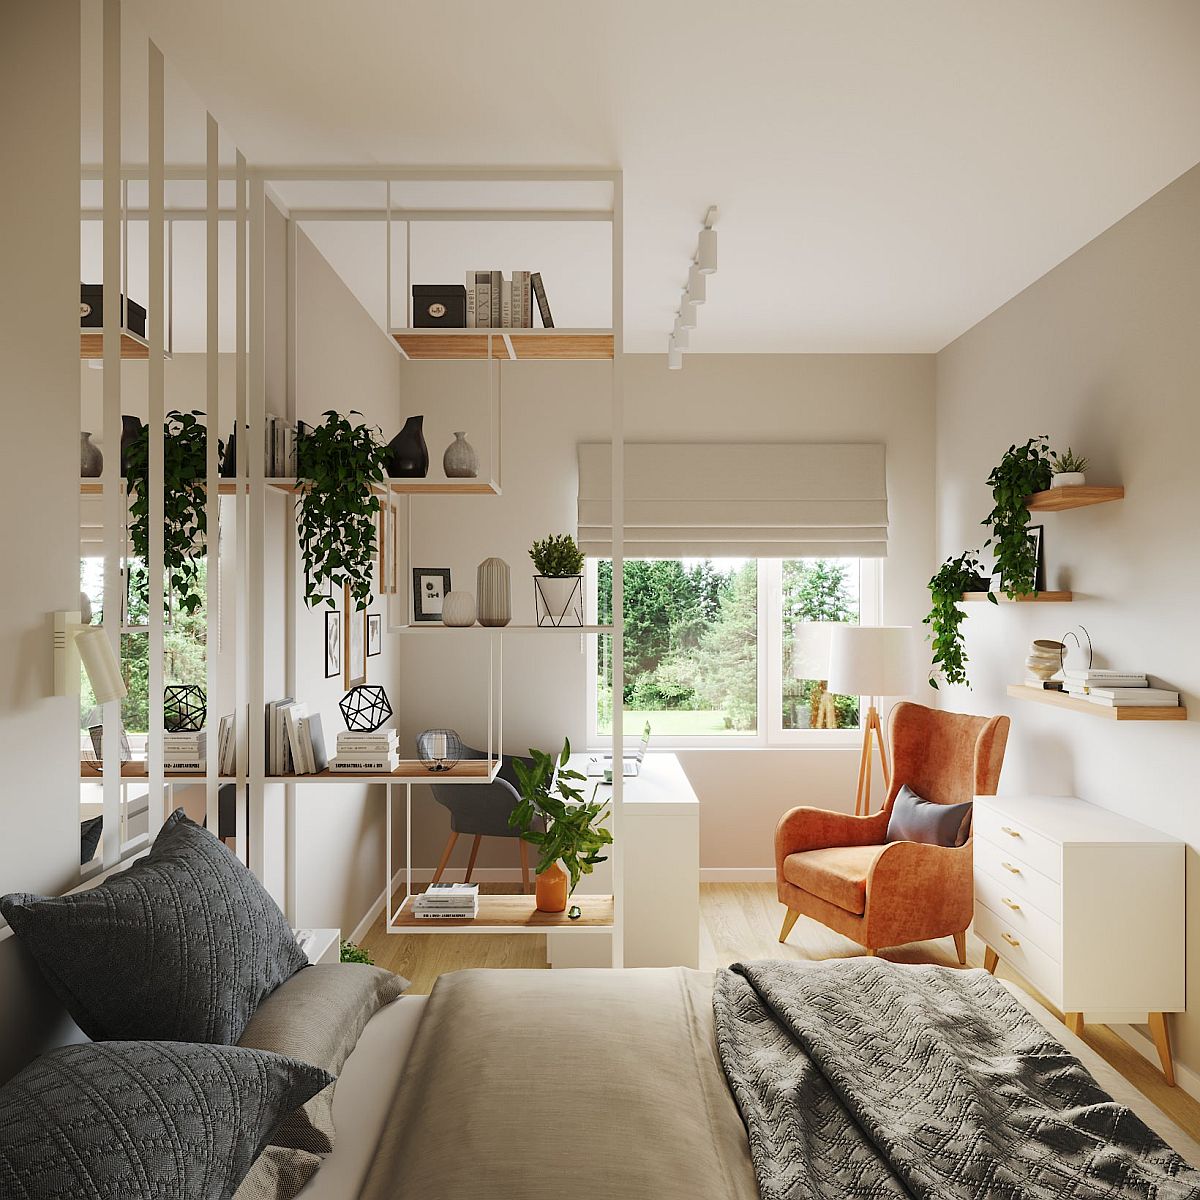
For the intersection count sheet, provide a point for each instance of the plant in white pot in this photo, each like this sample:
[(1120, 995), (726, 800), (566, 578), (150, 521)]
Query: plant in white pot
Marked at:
[(1068, 469), (558, 585)]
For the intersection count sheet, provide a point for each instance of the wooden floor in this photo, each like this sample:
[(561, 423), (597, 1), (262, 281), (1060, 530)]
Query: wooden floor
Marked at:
[(741, 921)]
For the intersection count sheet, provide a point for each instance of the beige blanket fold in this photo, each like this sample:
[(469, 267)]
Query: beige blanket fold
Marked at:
[(524, 1085)]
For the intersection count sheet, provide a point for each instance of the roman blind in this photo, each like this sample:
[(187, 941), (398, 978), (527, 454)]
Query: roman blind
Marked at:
[(773, 500)]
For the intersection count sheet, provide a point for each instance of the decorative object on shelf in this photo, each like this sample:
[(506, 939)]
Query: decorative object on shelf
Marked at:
[(963, 573), (365, 708), (407, 454), (460, 460), (439, 306), (374, 634), (333, 643), (354, 631), (1022, 471), (185, 708), (573, 836), (91, 460), (558, 585), (493, 594), (439, 749), (458, 609), (1082, 659), (1045, 659), (185, 511), (91, 310), (431, 586), (1068, 468), (95, 727), (131, 431)]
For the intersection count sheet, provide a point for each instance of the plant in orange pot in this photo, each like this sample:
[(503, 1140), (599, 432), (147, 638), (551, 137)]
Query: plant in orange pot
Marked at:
[(570, 846)]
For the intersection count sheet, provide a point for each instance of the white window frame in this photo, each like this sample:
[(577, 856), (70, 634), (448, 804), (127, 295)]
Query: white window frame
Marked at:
[(770, 732)]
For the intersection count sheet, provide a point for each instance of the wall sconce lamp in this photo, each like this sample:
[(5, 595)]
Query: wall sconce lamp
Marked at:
[(89, 644)]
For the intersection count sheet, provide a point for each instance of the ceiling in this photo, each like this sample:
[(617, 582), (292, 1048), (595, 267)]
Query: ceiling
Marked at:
[(887, 173)]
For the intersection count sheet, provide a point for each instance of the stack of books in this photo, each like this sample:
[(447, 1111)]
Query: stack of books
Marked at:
[(184, 752), (227, 746), (1117, 689), (375, 753), (448, 902), (295, 739), (494, 302)]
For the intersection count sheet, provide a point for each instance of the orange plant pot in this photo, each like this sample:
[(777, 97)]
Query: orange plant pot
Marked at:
[(551, 887)]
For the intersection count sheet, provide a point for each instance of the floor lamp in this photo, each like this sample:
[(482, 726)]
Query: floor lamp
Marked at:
[(871, 661)]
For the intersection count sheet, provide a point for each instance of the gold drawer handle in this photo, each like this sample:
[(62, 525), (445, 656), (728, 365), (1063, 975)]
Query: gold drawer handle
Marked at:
[(1009, 830), (1012, 941), (1010, 868), (1010, 903)]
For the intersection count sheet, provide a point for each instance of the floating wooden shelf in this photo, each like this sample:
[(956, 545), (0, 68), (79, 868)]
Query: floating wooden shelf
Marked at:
[(443, 487), (506, 344), (91, 344), (1081, 496), (1033, 598), (409, 771), (137, 770), (1124, 712), (511, 914)]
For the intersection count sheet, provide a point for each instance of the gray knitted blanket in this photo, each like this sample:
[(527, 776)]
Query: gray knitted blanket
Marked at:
[(861, 1078)]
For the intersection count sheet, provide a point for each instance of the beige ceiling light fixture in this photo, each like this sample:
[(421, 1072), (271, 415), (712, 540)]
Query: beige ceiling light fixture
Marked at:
[(703, 264)]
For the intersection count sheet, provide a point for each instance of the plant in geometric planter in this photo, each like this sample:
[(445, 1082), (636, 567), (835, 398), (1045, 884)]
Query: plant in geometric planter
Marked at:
[(185, 707), (558, 586)]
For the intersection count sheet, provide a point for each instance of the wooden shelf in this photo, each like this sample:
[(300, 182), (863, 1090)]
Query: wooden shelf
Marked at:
[(1124, 712), (1081, 496), (430, 625), (1033, 598), (511, 914), (409, 771), (91, 344), (507, 345), (137, 770), (444, 487)]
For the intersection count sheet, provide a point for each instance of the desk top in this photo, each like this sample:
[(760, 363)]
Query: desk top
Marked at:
[(660, 781)]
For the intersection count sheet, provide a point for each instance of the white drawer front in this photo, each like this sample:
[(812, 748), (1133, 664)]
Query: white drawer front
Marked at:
[(1025, 920), (1018, 840), (1023, 881), (1022, 954)]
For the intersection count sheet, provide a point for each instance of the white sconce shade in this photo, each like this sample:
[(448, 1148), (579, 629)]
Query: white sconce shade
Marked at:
[(706, 256), (687, 313), (696, 288), (871, 660), (92, 646), (680, 335), (674, 356)]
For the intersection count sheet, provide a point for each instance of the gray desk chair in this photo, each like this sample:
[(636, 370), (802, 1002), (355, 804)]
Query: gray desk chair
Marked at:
[(481, 810)]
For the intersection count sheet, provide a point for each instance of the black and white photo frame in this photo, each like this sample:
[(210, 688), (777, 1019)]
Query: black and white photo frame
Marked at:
[(333, 643), (374, 634), (431, 585)]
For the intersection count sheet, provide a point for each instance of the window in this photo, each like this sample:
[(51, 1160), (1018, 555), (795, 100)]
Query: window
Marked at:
[(710, 657)]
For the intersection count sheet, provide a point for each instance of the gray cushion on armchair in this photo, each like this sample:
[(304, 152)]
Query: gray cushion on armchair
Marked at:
[(479, 808)]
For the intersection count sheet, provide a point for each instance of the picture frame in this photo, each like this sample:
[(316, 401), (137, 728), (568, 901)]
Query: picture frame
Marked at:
[(1037, 532), (431, 585), (354, 625), (333, 643), (374, 634)]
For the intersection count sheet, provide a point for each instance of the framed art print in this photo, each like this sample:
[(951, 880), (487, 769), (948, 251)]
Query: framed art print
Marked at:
[(354, 668), (430, 587), (333, 643), (374, 634)]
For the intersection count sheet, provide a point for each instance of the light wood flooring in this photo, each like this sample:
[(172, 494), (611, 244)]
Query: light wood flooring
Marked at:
[(741, 921)]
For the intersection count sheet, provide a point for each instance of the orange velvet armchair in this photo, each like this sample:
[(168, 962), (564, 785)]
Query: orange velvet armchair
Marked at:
[(839, 870)]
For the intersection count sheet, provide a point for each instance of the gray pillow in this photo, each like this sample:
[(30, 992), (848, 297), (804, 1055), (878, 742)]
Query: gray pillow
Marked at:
[(181, 947), (917, 820), (318, 1016), (143, 1120)]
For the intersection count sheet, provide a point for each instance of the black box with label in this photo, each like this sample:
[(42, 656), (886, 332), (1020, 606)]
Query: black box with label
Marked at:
[(439, 306), (91, 310)]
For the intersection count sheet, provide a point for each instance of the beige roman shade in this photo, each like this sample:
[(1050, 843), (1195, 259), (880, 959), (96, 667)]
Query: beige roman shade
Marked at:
[(776, 500)]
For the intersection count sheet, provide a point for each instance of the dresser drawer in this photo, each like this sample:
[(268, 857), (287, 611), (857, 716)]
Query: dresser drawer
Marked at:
[(1018, 840), (1023, 881), (1019, 952), (1024, 919)]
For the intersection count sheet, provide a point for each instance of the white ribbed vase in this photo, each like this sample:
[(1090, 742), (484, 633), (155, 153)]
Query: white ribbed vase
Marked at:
[(493, 594), (458, 609)]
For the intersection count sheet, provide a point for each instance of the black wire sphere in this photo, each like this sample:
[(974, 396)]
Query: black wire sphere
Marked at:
[(439, 749), (365, 708), (185, 708)]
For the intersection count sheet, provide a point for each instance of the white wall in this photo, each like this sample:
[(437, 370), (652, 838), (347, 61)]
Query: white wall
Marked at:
[(548, 409), (1102, 355)]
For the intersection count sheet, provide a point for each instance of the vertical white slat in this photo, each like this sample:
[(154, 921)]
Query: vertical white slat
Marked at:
[(618, 569), (247, 720), (292, 601), (408, 320), (387, 241), (212, 409), (170, 288), (155, 388), (114, 516)]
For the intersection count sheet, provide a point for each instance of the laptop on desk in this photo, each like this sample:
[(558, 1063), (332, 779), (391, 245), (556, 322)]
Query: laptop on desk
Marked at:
[(631, 764)]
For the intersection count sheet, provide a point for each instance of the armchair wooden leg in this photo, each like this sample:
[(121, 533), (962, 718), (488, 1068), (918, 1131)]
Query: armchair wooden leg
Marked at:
[(474, 852), (960, 947), (1162, 1041), (990, 960), (437, 875), (790, 918), (871, 953), (521, 844), (1074, 1022)]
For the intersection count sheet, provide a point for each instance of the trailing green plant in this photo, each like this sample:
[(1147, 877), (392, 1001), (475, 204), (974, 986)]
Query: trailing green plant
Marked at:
[(1023, 470), (557, 556), (340, 465), (963, 573), (356, 954), (573, 834), (1068, 462), (185, 518)]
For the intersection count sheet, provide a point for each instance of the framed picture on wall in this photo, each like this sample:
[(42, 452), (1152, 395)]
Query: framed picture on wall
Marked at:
[(354, 637), (374, 634), (333, 643), (430, 587)]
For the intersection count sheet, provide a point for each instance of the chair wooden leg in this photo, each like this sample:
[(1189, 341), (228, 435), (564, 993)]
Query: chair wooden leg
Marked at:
[(474, 852), (1162, 1041), (990, 960), (437, 875), (960, 947), (789, 919), (521, 844), (1074, 1022)]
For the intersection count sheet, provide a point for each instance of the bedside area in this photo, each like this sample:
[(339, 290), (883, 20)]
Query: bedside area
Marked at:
[(1065, 891)]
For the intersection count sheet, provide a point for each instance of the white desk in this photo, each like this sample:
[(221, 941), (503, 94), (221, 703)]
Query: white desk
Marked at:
[(660, 843)]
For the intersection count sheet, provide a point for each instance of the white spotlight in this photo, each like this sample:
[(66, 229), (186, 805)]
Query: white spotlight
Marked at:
[(696, 286), (680, 335), (674, 356), (687, 313), (706, 254), (74, 641)]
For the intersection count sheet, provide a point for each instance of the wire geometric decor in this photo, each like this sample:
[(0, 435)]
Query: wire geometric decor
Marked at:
[(365, 708), (185, 707)]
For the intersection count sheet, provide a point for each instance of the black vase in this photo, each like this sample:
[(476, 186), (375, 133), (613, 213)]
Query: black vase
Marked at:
[(131, 427), (408, 456)]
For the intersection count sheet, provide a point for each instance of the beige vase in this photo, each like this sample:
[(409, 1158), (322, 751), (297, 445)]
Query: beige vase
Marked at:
[(493, 597)]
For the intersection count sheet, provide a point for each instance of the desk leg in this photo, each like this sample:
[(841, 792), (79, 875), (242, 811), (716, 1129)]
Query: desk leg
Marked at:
[(990, 960), (1162, 1042)]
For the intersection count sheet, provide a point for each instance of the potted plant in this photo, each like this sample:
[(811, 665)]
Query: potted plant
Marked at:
[(558, 585), (1068, 468), (570, 845), (1022, 471), (955, 576)]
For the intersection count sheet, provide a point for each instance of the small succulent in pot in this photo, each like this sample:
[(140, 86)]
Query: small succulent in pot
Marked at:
[(558, 585), (1068, 468), (557, 556)]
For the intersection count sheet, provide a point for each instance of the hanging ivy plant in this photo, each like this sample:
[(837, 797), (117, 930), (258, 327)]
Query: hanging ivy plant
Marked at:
[(339, 463), (955, 576), (185, 519), (1022, 471)]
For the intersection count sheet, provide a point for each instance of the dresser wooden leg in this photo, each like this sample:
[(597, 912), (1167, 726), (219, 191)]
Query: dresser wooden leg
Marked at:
[(790, 918), (1162, 1041), (960, 947), (990, 960), (1074, 1022)]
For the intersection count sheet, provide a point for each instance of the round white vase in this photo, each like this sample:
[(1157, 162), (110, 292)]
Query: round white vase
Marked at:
[(1068, 479), (458, 609)]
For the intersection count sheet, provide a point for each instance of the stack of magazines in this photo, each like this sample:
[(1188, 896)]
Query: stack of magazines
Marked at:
[(1117, 689), (448, 901), (367, 753)]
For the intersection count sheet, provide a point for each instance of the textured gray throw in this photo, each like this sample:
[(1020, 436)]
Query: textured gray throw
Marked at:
[(861, 1078)]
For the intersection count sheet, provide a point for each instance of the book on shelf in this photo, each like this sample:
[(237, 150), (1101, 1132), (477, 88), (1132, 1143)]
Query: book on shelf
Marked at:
[(1169, 700), (292, 715), (506, 304), (313, 738), (494, 302), (426, 914), (1126, 695), (1045, 685), (367, 766), (186, 768), (1106, 678), (543, 304)]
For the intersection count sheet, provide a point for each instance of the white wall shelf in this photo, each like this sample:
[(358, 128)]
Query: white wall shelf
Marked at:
[(1121, 712)]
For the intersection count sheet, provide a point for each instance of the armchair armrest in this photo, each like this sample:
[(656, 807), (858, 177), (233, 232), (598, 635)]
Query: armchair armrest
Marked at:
[(918, 891), (802, 829)]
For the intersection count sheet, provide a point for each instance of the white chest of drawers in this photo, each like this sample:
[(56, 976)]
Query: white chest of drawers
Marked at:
[(1087, 905)]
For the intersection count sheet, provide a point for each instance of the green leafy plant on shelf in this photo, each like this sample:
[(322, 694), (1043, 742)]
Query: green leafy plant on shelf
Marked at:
[(955, 576), (1022, 471), (573, 834), (356, 954), (1068, 462), (341, 465), (557, 556), (185, 518)]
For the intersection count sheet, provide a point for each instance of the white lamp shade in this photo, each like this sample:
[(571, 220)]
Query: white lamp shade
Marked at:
[(687, 313), (706, 252), (101, 665), (674, 356), (696, 289), (871, 660), (810, 649)]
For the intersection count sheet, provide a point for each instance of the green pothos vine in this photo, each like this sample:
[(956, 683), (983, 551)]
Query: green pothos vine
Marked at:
[(954, 577), (341, 467), (1022, 471)]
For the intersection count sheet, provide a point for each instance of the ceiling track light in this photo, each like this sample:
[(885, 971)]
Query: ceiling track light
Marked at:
[(703, 263), (696, 287), (680, 335), (674, 356), (687, 313)]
